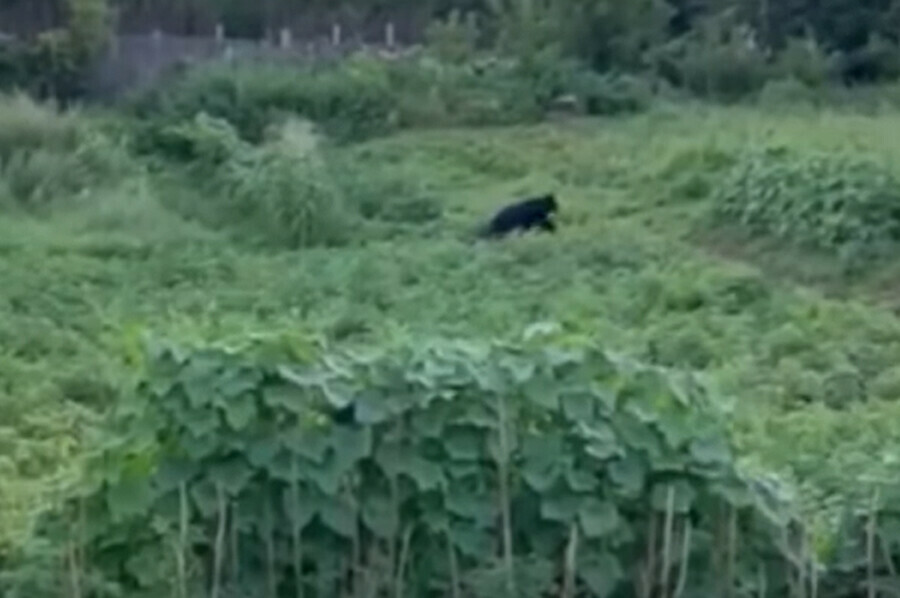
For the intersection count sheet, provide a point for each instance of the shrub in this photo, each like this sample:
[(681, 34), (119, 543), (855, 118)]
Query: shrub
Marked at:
[(788, 93), (877, 60), (611, 93), (362, 96), (721, 64), (273, 194), (27, 126), (484, 92), (46, 155), (352, 100), (804, 60), (847, 205), (453, 40)]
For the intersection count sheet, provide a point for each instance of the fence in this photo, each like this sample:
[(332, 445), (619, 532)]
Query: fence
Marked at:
[(137, 60)]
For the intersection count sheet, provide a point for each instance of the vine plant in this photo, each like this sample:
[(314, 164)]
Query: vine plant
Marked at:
[(439, 469)]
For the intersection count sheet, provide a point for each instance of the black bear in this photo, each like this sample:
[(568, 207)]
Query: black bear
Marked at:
[(523, 215)]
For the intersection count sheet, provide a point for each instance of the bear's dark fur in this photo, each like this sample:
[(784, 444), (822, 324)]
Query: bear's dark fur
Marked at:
[(523, 215)]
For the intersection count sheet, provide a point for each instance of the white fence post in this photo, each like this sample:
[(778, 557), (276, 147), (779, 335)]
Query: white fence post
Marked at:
[(336, 34), (285, 40)]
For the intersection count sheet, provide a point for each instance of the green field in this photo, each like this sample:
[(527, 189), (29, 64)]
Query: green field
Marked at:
[(802, 348)]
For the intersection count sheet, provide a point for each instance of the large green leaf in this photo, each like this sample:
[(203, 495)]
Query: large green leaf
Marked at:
[(350, 445), (429, 423), (199, 420), (300, 509), (578, 405), (174, 471), (427, 475), (637, 435), (712, 450), (132, 495), (262, 451), (601, 440), (149, 566), (338, 516), (327, 476), (371, 408), (464, 444), (307, 442), (543, 391), (397, 460), (601, 573), (288, 397), (338, 393), (481, 508), (198, 447), (240, 411), (598, 518), (233, 474), (234, 382), (205, 496), (199, 378), (542, 461), (380, 515), (581, 480), (628, 474), (561, 507), (472, 541)]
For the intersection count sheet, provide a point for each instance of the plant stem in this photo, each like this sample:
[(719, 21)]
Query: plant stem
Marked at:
[(870, 544), (569, 573), (732, 550), (454, 566), (219, 547), (505, 506), (685, 559), (181, 553), (667, 539), (401, 566)]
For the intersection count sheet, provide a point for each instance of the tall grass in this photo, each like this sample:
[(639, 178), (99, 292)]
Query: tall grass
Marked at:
[(47, 155)]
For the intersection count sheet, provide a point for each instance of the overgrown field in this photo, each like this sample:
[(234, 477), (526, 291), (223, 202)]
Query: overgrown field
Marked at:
[(751, 245)]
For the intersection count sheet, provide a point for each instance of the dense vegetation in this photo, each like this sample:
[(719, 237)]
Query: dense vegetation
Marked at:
[(211, 211), (725, 49), (691, 390)]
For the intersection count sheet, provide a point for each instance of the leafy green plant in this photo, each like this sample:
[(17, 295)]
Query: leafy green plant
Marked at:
[(846, 205), (435, 468), (350, 100), (46, 154), (454, 39), (280, 194)]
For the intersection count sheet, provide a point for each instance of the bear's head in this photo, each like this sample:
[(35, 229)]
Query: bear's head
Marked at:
[(549, 202)]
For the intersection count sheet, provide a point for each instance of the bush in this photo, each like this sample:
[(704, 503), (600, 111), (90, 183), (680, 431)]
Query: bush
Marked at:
[(47, 155), (788, 93), (26, 126), (352, 100), (804, 60), (453, 40), (483, 92), (843, 204), (362, 97), (877, 60), (723, 64), (274, 194), (612, 93)]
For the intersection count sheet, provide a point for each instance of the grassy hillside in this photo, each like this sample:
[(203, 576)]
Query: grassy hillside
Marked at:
[(802, 344)]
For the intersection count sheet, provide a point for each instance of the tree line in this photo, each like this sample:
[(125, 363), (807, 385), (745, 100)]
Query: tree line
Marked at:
[(713, 47)]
